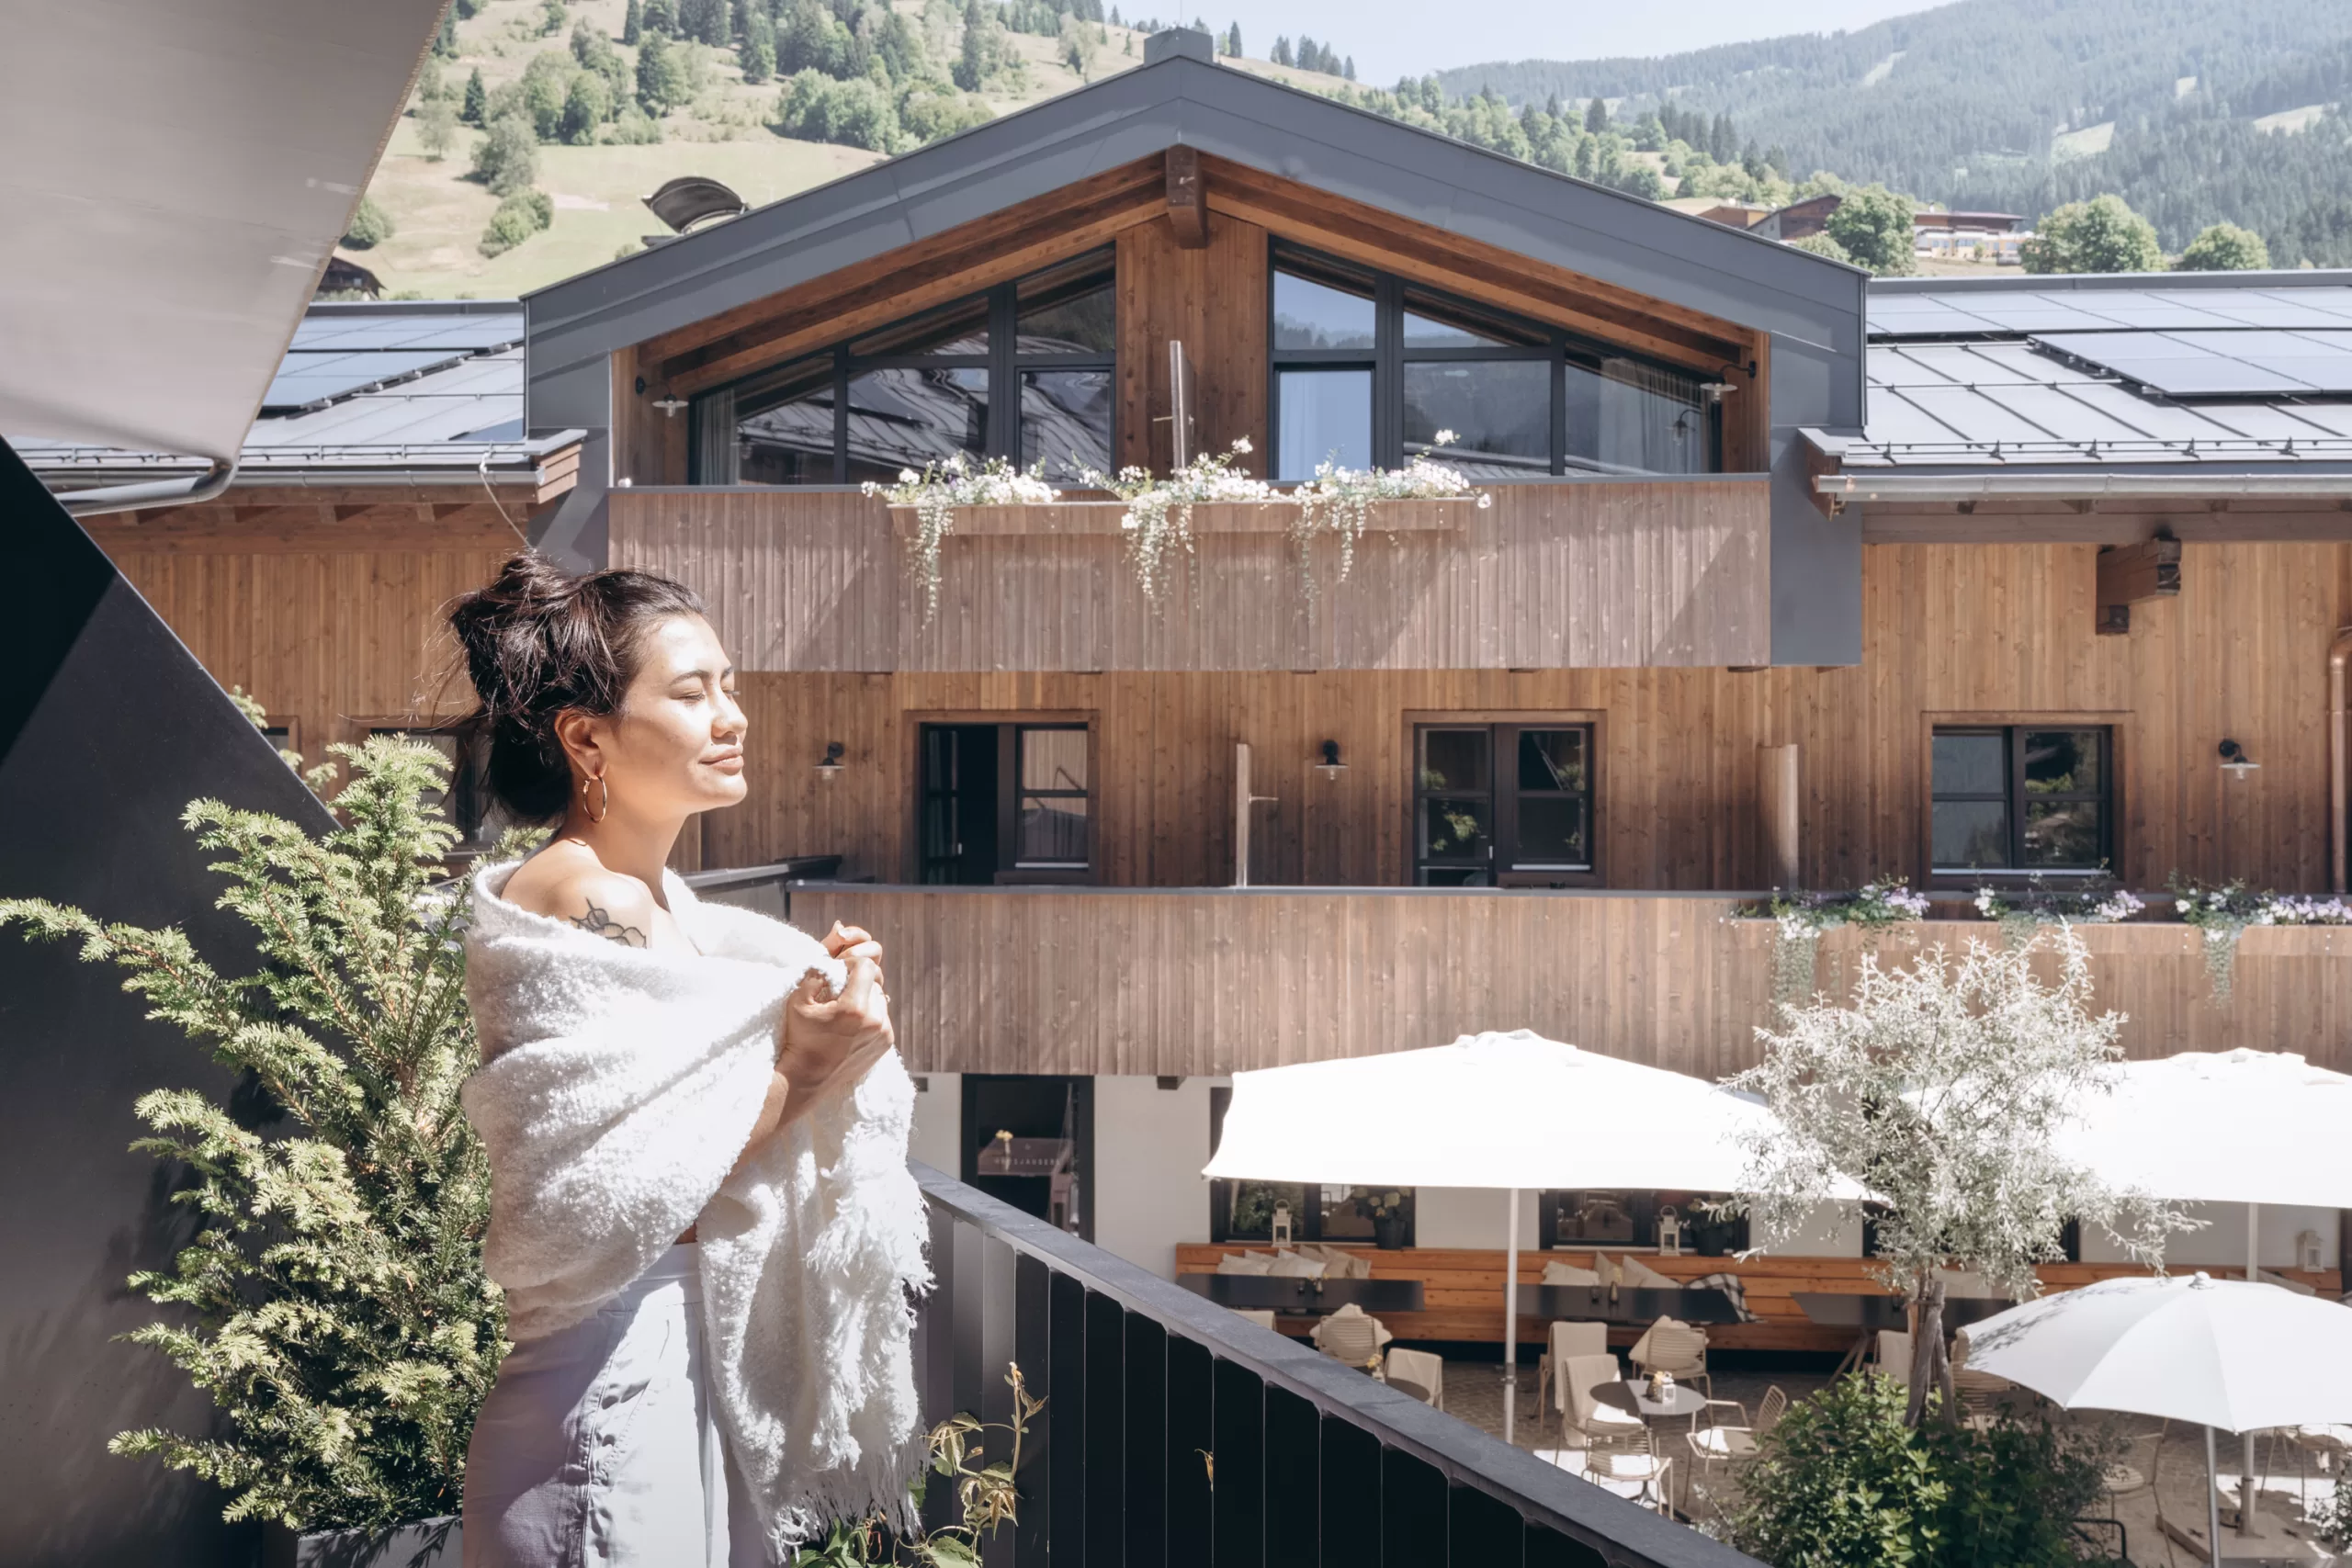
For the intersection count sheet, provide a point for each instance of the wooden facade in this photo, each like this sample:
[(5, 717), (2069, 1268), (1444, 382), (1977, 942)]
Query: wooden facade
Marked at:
[(1568, 573), (1200, 982)]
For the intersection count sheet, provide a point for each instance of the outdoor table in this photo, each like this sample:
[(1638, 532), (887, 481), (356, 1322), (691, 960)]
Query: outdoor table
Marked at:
[(1304, 1298), (1867, 1312), (1590, 1303), (1630, 1396)]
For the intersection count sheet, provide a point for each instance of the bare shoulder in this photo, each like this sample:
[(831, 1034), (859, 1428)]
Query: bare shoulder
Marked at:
[(573, 888)]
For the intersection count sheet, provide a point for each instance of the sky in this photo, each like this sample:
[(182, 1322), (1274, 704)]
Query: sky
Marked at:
[(1397, 38)]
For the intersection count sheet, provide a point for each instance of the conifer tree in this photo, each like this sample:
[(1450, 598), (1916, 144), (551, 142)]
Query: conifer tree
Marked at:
[(1596, 115), (632, 24), (1233, 40), (477, 100), (331, 1302)]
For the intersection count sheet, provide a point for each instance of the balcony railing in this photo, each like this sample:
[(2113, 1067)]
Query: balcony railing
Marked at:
[(1664, 570), (1176, 1434), (1186, 981)]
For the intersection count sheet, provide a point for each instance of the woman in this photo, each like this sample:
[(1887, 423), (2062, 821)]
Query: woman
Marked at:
[(695, 1120)]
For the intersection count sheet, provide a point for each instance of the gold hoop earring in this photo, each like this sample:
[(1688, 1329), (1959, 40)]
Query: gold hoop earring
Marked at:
[(604, 797)]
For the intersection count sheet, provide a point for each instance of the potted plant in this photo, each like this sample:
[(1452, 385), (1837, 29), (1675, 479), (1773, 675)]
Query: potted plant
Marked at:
[(331, 1301), (1386, 1211)]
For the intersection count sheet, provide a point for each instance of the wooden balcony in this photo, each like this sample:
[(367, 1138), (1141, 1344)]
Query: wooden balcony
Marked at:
[(1557, 574), (1192, 981)]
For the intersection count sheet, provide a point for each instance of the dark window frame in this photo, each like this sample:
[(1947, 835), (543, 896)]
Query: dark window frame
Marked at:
[(1001, 308), (1389, 354), (1009, 872), (1643, 1206), (1502, 797), (2015, 796)]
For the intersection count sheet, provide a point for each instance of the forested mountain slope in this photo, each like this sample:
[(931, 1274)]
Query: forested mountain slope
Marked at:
[(2019, 105)]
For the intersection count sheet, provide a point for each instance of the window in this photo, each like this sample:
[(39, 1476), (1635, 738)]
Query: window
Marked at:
[(2027, 798), (1507, 804), (1005, 803), (1242, 1210), (1367, 369), (1022, 371), (1628, 1217)]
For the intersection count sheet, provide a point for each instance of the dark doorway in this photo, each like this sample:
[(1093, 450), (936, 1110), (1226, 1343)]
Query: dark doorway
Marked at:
[(959, 803), (1037, 1111)]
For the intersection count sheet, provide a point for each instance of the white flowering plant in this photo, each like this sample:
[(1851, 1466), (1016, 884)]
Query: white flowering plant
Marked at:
[(1338, 501), (2224, 913), (1935, 1099), (942, 486), (2021, 911), (1158, 523), (1803, 917)]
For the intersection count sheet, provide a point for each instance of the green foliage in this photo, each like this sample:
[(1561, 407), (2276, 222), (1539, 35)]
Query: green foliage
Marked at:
[(705, 21), (2332, 1521), (852, 114), (2098, 235), (545, 82), (370, 226), (758, 52), (444, 42), (1596, 115), (507, 160), (552, 16), (632, 25), (429, 84), (331, 1303), (664, 74), (519, 217), (661, 16), (634, 127), (436, 129), (1822, 245), (1841, 1481), (586, 108), (1874, 224), (926, 115), (477, 105), (2224, 247)]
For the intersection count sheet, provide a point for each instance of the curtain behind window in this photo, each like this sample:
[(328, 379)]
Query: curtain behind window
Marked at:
[(1651, 419), (715, 437)]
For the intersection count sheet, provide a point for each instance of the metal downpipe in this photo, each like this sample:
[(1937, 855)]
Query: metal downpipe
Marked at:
[(2339, 654)]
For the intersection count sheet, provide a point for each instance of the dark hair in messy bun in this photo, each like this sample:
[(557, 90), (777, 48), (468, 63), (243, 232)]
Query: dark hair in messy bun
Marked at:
[(538, 641)]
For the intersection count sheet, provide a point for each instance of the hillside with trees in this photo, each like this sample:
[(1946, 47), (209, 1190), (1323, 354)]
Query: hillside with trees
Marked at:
[(2194, 111)]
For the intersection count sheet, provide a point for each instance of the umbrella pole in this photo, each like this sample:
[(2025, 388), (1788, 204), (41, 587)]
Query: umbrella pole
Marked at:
[(1511, 1318), (2246, 1457), (2212, 1503)]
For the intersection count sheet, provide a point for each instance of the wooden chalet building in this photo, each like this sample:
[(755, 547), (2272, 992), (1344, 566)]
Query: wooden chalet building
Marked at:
[(1786, 580)]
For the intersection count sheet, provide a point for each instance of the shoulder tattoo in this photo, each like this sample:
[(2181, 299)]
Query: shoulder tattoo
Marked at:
[(596, 923)]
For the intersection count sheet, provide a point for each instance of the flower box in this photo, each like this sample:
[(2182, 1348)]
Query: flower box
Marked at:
[(428, 1544), (1079, 518)]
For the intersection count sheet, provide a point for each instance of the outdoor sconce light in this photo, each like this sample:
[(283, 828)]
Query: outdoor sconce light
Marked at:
[(1331, 767), (2234, 758), (1279, 1231), (831, 765), (669, 406)]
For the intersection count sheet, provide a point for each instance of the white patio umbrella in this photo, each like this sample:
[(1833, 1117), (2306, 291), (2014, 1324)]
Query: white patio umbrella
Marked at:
[(2241, 1126), (1501, 1111), (2213, 1351)]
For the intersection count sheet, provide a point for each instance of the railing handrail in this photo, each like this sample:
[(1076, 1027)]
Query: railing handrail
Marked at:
[(1459, 1452)]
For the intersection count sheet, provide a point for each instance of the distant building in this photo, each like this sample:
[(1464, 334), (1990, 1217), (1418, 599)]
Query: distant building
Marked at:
[(1798, 220), (1981, 236), (1715, 210)]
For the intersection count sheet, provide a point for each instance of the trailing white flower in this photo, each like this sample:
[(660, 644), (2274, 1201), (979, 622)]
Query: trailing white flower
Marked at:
[(1803, 917), (1158, 523), (1339, 501), (941, 487), (2022, 911)]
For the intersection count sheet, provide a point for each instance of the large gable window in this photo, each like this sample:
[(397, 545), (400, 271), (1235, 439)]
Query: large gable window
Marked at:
[(1368, 369), (1022, 371)]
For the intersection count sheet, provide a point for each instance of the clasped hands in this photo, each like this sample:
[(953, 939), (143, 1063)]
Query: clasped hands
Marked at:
[(827, 1039)]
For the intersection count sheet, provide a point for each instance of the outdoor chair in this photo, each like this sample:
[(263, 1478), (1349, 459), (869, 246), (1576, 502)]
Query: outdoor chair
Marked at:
[(1602, 1427), (1893, 1356), (1980, 1395), (1262, 1319), (1678, 1347), (2332, 1448), (1354, 1337), (1567, 1340), (1416, 1373), (1734, 1445)]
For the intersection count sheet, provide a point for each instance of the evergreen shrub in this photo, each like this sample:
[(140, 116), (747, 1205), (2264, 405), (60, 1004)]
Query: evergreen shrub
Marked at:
[(518, 218)]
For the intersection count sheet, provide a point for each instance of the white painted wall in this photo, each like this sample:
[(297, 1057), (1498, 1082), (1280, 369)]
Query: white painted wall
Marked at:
[(2221, 1245), (937, 1140), (1150, 1146), (1468, 1216)]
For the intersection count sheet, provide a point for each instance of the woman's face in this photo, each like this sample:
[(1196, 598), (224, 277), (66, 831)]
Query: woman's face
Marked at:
[(676, 745)]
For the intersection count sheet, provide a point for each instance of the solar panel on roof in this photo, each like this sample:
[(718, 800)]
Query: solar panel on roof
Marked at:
[(475, 332), (2247, 362), (303, 377)]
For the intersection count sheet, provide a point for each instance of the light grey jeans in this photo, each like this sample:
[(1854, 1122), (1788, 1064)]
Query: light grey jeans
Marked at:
[(598, 1446)]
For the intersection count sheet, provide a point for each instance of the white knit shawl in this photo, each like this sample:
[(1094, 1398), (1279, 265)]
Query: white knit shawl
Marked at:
[(618, 1086)]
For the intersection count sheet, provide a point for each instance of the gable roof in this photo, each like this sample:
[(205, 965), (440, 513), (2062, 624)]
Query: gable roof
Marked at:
[(1181, 98)]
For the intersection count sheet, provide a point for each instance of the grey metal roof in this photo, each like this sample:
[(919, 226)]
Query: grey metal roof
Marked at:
[(2073, 374), (394, 423), (1814, 305)]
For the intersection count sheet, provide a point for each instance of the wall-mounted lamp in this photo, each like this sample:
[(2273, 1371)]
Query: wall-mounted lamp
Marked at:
[(2234, 758), (1331, 767), (830, 766), (669, 406)]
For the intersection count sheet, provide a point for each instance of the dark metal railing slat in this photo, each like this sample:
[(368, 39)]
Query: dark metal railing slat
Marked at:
[(1032, 1339), (1147, 1443), (1482, 1531), (1106, 1470), (1191, 1439), (1066, 1350), (1293, 1477), (1239, 1419), (1349, 1493), (1000, 1318), (1412, 1509)]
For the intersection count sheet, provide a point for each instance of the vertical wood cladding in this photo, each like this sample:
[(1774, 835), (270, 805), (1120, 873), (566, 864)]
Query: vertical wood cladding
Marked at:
[(1952, 634), (1212, 300)]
